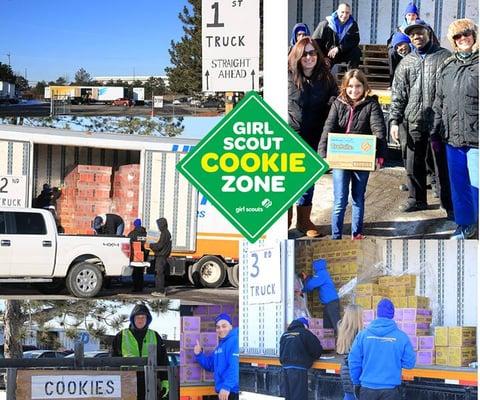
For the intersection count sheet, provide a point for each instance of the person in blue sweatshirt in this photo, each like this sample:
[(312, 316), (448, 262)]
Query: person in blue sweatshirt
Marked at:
[(299, 348), (224, 362), (299, 31), (378, 355), (327, 293)]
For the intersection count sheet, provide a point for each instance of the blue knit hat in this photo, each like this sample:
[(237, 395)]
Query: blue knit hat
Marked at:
[(411, 8), (225, 317), (398, 38), (137, 223), (304, 321), (385, 309)]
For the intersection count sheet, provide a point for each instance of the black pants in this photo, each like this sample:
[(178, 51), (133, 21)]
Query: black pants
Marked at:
[(352, 58), (380, 394), (418, 144), (231, 396), (160, 263), (295, 384), (137, 277), (331, 315)]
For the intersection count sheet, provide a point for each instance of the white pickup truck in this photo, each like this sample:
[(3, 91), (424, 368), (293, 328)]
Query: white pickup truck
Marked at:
[(32, 251)]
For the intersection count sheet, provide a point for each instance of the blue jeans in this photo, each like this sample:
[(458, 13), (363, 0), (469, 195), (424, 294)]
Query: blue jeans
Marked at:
[(306, 199), (341, 189), (349, 396), (463, 174)]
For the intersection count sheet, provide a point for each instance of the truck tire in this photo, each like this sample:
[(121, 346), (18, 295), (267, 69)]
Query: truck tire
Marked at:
[(232, 273), (210, 272), (190, 275), (54, 287), (84, 280)]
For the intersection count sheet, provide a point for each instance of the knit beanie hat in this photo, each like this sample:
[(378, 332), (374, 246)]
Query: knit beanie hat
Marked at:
[(304, 321), (225, 317), (137, 223), (385, 309), (411, 8)]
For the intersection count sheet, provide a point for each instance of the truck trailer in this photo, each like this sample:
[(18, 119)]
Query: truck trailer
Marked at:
[(88, 94), (446, 273), (205, 244)]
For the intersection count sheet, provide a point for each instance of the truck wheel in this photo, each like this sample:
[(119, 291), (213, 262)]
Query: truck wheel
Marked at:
[(210, 271), (190, 270), (84, 280), (54, 287), (232, 273)]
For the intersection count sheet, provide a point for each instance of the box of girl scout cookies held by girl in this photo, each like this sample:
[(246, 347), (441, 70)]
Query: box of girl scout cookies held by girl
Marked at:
[(354, 152)]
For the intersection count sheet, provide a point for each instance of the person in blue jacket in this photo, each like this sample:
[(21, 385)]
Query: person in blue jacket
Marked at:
[(327, 293), (378, 355), (299, 31), (224, 362)]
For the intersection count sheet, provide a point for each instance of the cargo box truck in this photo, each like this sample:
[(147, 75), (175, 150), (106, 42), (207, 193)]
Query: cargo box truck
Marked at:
[(444, 271), (205, 244)]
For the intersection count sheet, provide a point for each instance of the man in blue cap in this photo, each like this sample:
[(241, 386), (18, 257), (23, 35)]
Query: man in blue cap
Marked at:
[(327, 293), (299, 348), (299, 31), (138, 234), (225, 361), (377, 357)]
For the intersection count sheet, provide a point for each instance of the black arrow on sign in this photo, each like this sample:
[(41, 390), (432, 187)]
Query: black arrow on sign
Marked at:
[(253, 79), (207, 74)]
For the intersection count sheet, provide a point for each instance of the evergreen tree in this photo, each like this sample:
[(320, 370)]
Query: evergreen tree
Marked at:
[(185, 76), (82, 77)]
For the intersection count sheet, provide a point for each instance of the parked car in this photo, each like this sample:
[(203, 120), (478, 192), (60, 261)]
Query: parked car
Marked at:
[(43, 354), (176, 102), (195, 102), (212, 103), (92, 354), (122, 102)]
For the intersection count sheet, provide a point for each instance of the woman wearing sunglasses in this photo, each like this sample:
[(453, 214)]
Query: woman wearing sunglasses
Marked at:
[(456, 123), (311, 88)]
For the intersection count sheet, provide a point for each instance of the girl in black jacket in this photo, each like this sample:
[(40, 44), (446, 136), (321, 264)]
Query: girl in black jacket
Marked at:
[(353, 112), (310, 88)]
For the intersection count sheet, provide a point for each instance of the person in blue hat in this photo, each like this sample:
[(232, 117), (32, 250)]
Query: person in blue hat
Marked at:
[(299, 31), (138, 234), (224, 362), (299, 348), (327, 293), (378, 354)]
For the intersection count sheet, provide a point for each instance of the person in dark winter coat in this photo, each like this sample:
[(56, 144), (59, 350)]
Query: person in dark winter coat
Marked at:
[(225, 360), (311, 87), (299, 348), (162, 250), (378, 355), (338, 37), (299, 31), (353, 112), (400, 47), (108, 224), (327, 294), (139, 234), (348, 328), (413, 94), (134, 341), (456, 123)]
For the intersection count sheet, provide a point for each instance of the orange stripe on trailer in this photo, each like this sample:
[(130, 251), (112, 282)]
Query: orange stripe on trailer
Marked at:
[(227, 248), (468, 383), (196, 392), (467, 374)]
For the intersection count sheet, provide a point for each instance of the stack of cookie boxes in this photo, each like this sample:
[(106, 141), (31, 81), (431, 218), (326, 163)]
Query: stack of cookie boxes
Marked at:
[(201, 327), (412, 313), (345, 259), (455, 346)]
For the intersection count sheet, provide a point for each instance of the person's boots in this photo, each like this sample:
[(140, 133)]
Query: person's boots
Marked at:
[(304, 224), (290, 215)]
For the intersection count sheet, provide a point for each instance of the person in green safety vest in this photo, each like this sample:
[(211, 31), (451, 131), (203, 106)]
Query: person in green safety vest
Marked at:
[(134, 341)]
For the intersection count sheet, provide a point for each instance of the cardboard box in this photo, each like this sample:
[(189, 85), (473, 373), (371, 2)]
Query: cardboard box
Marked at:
[(426, 343), (208, 339), (376, 300), (328, 343), (351, 151), (415, 329), (190, 324), (414, 342), (368, 315), (190, 373), (187, 356), (417, 315), (367, 289), (364, 301), (188, 340), (418, 302), (426, 357), (400, 302), (207, 376), (441, 336), (462, 336), (399, 291), (316, 323), (441, 355), (398, 316), (461, 356)]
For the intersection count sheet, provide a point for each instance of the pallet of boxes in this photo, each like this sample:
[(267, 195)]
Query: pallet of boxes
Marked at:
[(412, 313), (87, 192), (346, 259), (200, 326), (455, 346)]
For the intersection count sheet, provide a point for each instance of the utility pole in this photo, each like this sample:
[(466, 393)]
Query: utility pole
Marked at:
[(8, 55)]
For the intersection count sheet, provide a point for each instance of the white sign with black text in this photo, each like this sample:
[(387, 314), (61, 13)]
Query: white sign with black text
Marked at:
[(76, 386), (13, 191), (157, 101), (230, 45), (264, 277)]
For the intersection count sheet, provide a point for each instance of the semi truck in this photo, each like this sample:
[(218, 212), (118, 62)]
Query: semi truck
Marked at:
[(205, 244), (446, 272), (85, 94)]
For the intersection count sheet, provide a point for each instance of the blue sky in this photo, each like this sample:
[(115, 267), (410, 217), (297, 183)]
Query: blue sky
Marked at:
[(51, 38)]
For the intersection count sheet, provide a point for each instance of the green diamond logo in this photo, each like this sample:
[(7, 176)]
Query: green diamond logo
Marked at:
[(252, 166)]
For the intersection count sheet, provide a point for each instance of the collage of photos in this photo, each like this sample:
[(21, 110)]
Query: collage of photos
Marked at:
[(121, 280)]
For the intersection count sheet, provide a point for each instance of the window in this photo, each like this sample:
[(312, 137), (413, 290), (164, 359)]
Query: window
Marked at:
[(29, 224), (3, 223)]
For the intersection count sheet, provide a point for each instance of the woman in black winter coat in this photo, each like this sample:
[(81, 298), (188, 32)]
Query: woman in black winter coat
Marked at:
[(310, 89), (353, 112), (456, 123)]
